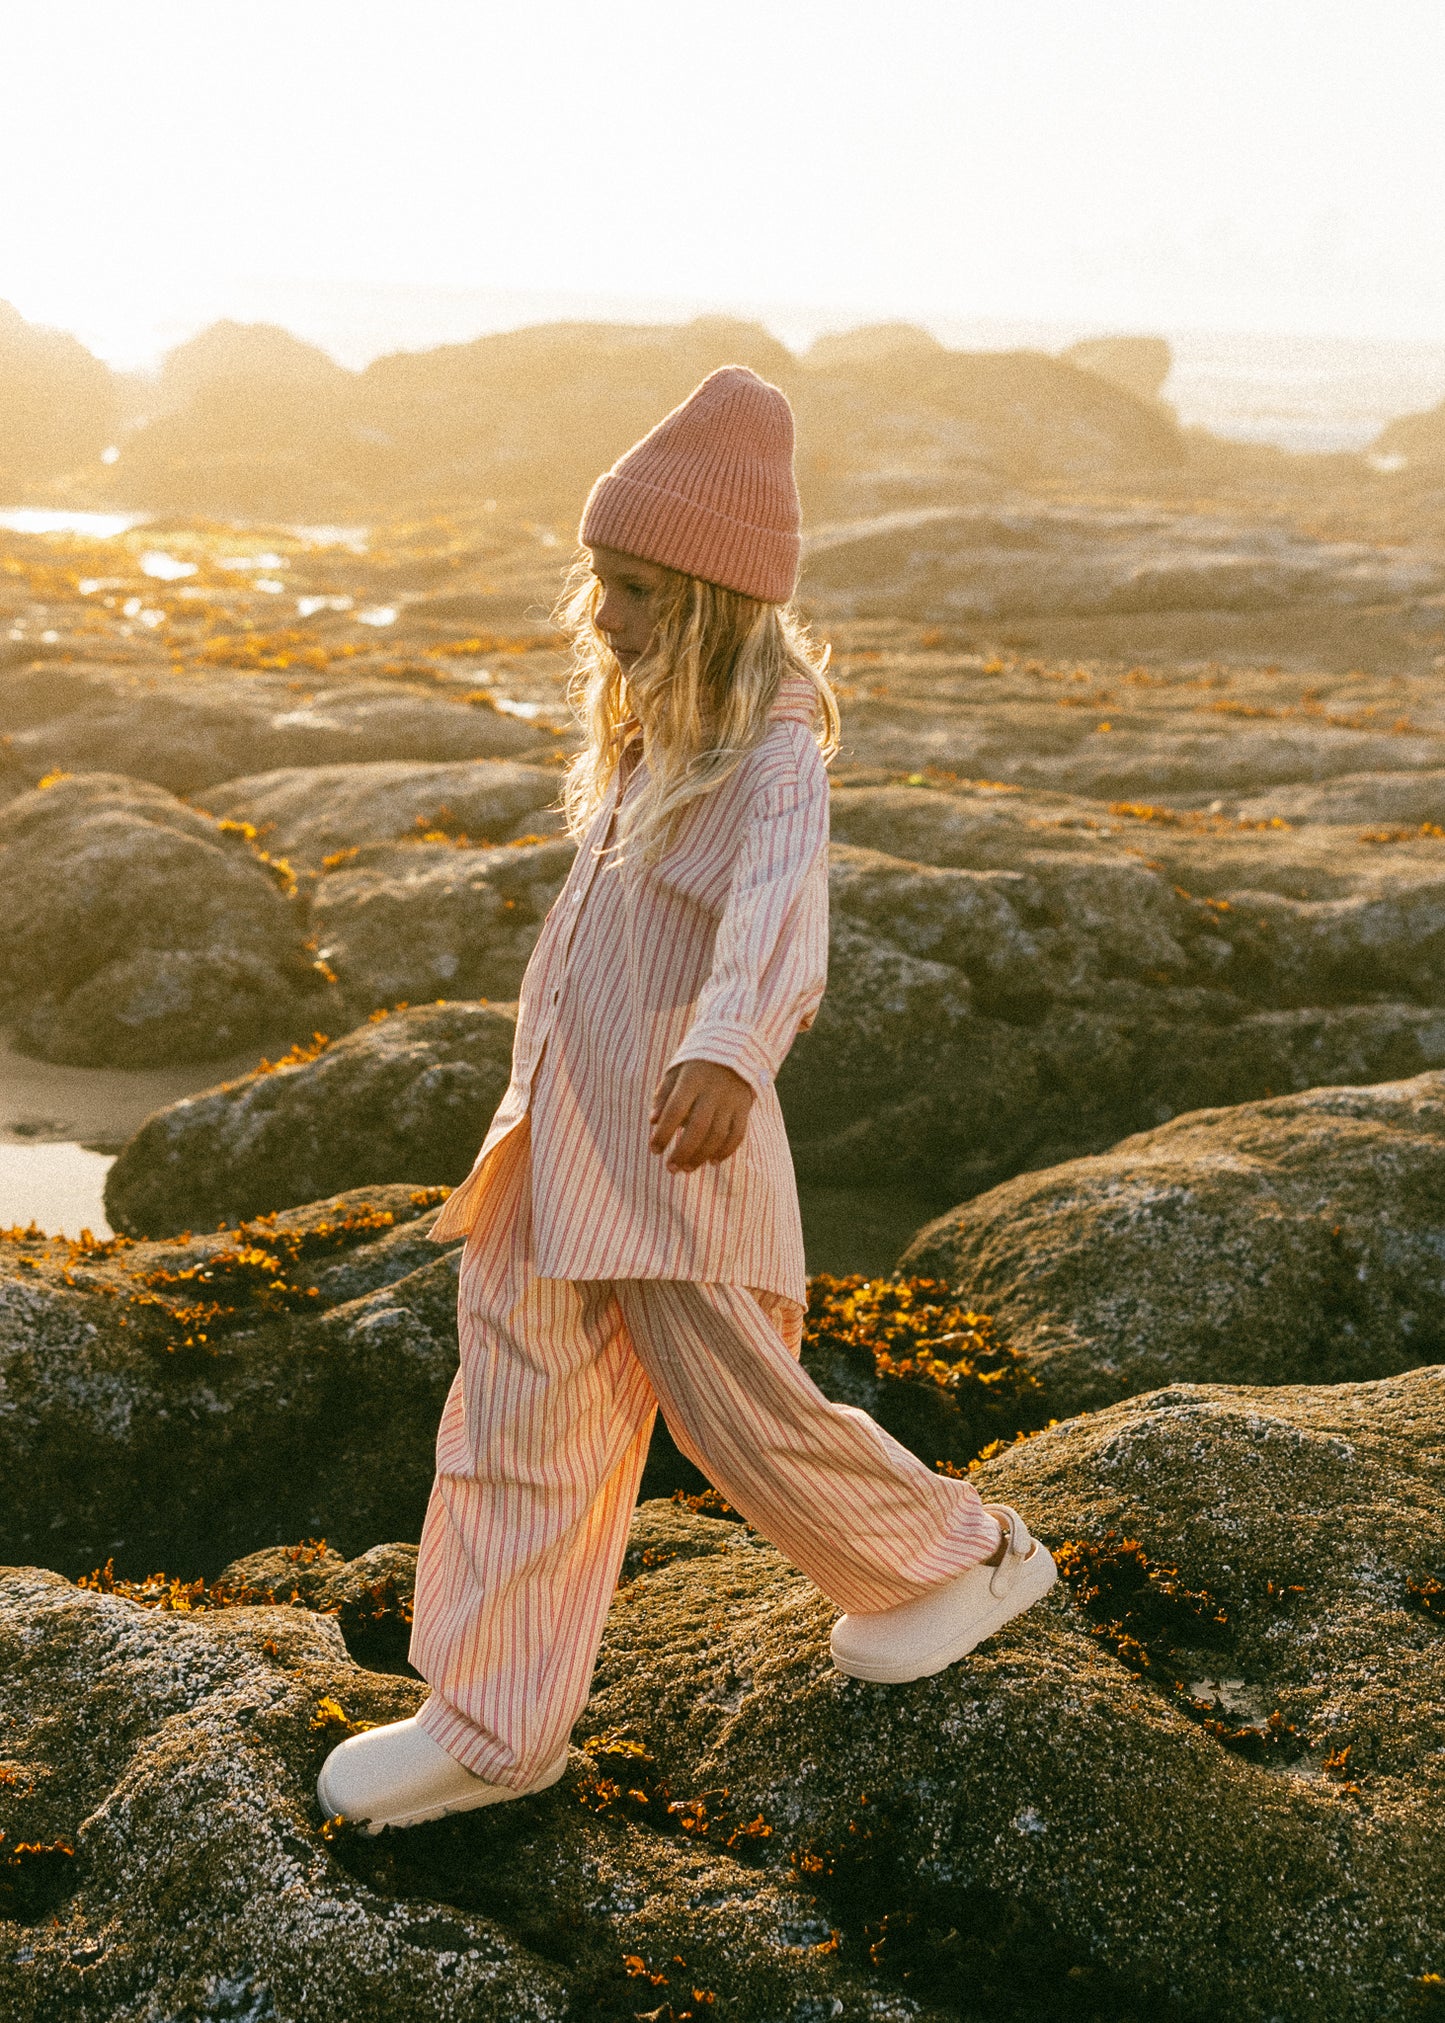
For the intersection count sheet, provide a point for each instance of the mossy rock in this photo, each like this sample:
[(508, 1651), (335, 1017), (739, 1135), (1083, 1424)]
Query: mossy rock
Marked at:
[(174, 1405), (161, 1780), (1057, 1825), (142, 932), (403, 1097), (1290, 1241)]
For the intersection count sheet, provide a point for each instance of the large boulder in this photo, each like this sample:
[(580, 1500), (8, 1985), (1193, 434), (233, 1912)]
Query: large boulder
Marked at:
[(141, 932), (177, 1404), (1023, 996), (406, 921), (248, 419), (170, 1858), (896, 425), (1291, 1241), (307, 813), (403, 1097), (1203, 1778)]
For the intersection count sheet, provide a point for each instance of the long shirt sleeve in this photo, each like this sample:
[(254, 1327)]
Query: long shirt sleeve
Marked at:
[(770, 956)]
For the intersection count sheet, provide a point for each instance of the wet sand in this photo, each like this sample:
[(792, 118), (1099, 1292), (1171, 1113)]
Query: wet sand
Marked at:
[(61, 1127)]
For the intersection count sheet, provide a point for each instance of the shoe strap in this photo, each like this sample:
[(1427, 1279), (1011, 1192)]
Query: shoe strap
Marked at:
[(1018, 1543)]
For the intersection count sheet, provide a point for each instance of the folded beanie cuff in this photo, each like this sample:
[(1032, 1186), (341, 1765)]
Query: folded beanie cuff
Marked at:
[(676, 532)]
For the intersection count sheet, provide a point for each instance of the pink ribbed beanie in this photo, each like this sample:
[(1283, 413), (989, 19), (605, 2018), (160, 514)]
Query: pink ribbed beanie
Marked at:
[(710, 490)]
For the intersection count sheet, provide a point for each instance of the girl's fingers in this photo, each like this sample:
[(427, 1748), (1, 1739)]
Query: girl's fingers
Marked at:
[(673, 1113), (690, 1148), (713, 1133), (687, 1148), (661, 1093), (691, 1130)]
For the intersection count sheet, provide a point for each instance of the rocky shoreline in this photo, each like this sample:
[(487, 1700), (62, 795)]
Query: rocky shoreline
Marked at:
[(1121, 1136)]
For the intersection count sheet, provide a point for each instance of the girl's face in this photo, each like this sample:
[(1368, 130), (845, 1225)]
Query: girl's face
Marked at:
[(627, 612)]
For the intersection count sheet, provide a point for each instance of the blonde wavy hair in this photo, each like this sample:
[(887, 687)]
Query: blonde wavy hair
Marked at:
[(700, 696)]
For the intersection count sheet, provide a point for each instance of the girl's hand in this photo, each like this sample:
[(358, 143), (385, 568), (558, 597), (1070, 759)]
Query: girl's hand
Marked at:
[(706, 1105)]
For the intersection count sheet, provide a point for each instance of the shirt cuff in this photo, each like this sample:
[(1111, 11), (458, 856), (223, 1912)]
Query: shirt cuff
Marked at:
[(732, 1047)]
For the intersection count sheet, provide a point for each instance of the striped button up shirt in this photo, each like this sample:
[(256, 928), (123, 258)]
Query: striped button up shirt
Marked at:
[(717, 952)]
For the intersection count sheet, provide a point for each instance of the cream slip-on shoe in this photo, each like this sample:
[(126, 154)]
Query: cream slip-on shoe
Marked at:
[(919, 1638), (397, 1776)]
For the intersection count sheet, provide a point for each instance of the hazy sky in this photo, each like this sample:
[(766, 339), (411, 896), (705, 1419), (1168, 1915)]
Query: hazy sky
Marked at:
[(1226, 164)]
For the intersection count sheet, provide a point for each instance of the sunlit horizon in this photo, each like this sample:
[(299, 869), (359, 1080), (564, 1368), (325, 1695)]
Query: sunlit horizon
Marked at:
[(1211, 167)]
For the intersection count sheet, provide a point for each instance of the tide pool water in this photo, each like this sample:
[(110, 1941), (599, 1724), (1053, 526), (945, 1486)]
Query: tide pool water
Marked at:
[(60, 1187), (51, 1116), (44, 520)]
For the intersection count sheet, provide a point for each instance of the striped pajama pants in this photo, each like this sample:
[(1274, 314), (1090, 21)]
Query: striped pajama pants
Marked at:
[(541, 1448)]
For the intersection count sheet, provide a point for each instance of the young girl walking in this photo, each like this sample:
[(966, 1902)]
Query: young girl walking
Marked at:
[(633, 1238)]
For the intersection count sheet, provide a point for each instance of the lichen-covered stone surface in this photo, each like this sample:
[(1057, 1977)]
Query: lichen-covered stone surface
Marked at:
[(1053, 1812), (1017, 978), (408, 922), (1202, 1779), (160, 1769), (178, 1404), (308, 813), (1298, 1240), (187, 730), (405, 1097), (139, 931)]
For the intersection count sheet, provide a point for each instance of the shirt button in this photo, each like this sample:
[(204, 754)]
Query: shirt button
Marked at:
[(576, 898), (556, 994)]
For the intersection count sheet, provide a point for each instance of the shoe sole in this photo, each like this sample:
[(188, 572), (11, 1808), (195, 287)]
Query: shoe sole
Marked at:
[(1031, 1586), (469, 1804)]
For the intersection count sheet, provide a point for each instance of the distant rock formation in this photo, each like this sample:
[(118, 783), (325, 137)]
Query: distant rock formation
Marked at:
[(58, 408), (252, 420), (914, 425), (1417, 438), (236, 360), (1140, 365), (869, 343)]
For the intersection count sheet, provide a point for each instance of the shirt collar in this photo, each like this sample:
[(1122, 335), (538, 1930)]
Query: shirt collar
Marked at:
[(795, 702)]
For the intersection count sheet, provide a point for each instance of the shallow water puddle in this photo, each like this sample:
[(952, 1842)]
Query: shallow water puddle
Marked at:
[(60, 1187), (60, 1127), (45, 520)]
